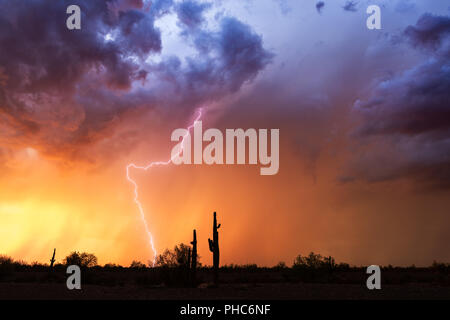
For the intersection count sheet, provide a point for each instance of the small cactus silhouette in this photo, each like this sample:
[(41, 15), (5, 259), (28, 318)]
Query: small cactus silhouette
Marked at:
[(52, 260), (194, 251), (214, 248), (194, 259)]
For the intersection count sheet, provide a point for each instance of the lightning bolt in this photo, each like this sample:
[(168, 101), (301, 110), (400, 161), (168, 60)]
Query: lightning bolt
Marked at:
[(146, 168)]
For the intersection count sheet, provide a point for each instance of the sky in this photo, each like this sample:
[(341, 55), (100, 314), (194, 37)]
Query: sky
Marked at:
[(364, 120)]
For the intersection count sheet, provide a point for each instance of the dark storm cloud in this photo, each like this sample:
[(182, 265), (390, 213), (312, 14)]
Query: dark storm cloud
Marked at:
[(60, 89), (413, 103), (319, 6), (118, 6), (412, 111), (430, 31), (45, 65), (229, 58), (241, 51), (33, 38), (161, 7), (350, 6), (190, 13)]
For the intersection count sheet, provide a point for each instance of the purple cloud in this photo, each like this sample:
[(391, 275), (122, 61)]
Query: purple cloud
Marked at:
[(412, 111), (61, 89), (190, 13)]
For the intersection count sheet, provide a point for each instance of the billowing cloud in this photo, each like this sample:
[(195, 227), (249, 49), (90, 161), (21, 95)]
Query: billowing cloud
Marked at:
[(229, 58), (62, 89), (411, 112), (190, 13), (430, 32)]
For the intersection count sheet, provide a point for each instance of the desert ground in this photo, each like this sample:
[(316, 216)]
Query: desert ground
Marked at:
[(276, 291), (238, 283)]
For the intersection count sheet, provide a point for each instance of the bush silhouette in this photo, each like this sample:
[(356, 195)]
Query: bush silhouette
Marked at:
[(441, 267), (82, 259), (137, 265), (110, 265), (178, 257), (5, 260), (6, 266), (281, 265), (314, 261), (174, 266)]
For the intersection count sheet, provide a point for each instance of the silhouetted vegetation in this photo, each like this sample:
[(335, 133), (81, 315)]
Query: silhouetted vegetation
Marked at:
[(442, 267), (178, 257), (52, 260), (137, 265), (174, 270), (192, 263), (175, 266), (181, 267), (281, 265), (82, 259), (6, 266), (214, 248), (314, 261)]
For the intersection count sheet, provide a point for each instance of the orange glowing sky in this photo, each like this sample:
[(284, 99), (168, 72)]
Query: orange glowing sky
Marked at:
[(363, 170), (265, 219)]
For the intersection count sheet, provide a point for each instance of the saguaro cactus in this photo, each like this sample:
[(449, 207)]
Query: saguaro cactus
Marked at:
[(194, 251), (214, 248), (194, 258), (52, 260), (188, 262)]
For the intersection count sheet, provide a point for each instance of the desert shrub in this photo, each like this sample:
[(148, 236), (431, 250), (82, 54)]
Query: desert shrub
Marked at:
[(6, 266), (175, 258), (441, 267), (281, 265), (249, 267), (314, 261), (20, 264), (37, 266), (137, 265), (313, 268), (228, 267), (237, 267), (82, 259), (112, 266), (173, 266), (343, 266)]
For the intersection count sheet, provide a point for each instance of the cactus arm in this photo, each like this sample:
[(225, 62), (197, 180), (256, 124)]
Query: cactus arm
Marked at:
[(211, 245), (214, 248)]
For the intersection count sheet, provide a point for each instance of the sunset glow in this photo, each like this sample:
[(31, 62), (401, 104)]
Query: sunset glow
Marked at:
[(86, 118)]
